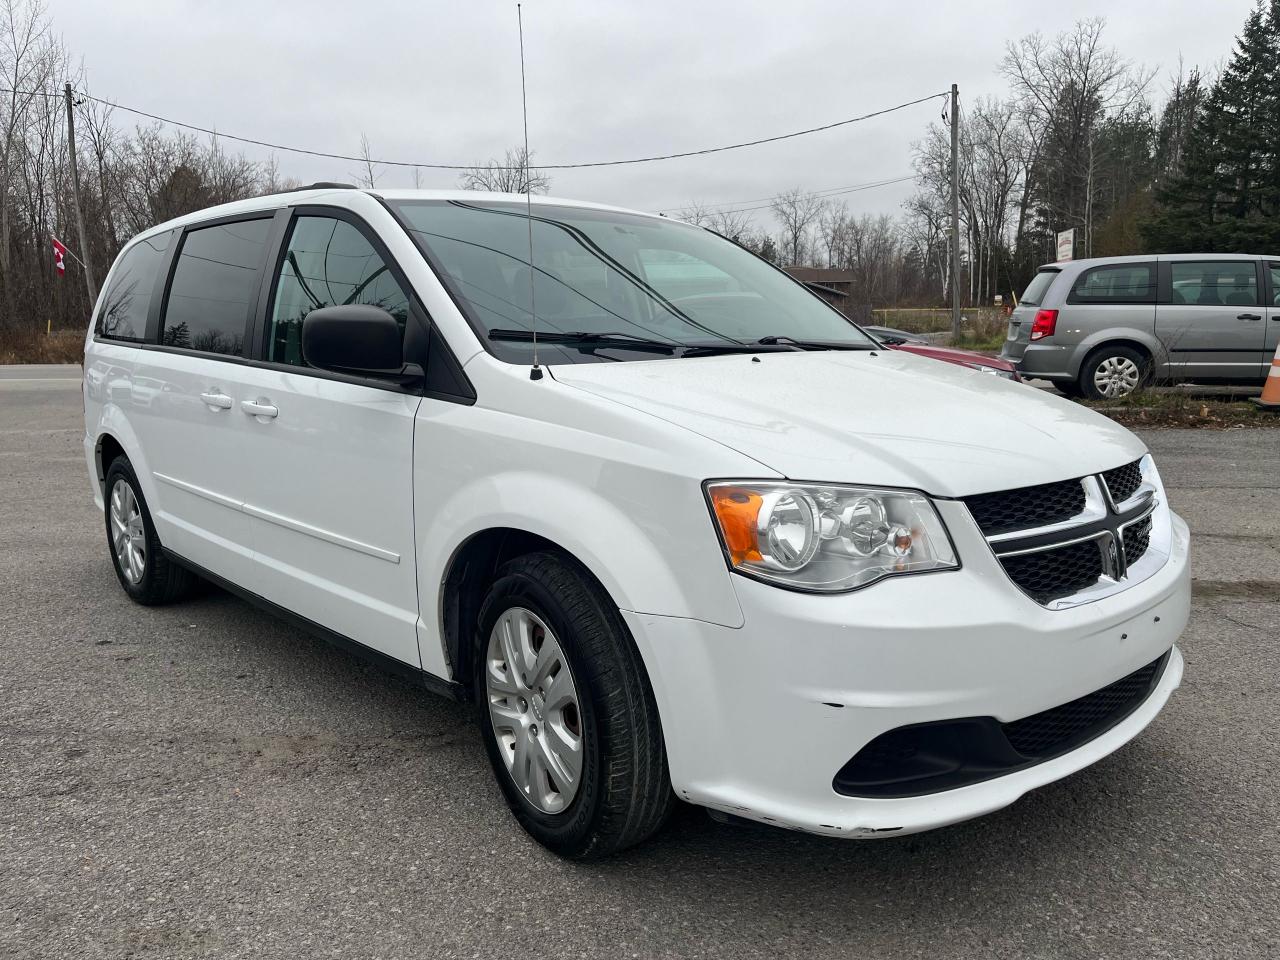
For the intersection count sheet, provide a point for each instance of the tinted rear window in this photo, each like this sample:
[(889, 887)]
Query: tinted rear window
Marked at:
[(123, 315), (1116, 283), (213, 283), (1214, 283), (1038, 287)]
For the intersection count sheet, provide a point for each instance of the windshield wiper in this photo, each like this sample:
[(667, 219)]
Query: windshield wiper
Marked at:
[(714, 349), (775, 340), (629, 341), (581, 338)]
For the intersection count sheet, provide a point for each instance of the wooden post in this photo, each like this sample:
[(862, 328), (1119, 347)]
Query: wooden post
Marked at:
[(955, 212), (85, 259)]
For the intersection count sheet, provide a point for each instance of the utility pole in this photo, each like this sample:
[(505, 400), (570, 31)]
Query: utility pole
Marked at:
[(75, 195), (955, 212)]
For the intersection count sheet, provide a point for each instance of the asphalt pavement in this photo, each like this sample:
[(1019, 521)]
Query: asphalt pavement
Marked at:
[(201, 780)]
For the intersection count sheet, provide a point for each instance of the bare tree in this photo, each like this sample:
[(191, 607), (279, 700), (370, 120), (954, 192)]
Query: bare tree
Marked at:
[(737, 225), (368, 177), (1067, 87), (833, 230), (798, 213), (697, 213), (26, 49), (928, 238), (270, 180), (507, 175)]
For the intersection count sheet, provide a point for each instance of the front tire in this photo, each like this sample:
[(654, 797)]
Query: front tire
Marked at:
[(145, 573), (568, 717)]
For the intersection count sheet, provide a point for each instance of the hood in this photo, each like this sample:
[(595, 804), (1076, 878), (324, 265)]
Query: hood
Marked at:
[(952, 355), (879, 418)]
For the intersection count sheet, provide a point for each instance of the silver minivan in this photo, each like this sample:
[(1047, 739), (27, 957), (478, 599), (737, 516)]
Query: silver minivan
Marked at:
[(1102, 328)]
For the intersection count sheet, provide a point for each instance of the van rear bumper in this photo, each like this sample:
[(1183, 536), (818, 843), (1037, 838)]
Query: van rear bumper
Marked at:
[(1044, 361)]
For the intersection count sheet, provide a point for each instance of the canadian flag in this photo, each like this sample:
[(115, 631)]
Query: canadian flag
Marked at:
[(59, 253)]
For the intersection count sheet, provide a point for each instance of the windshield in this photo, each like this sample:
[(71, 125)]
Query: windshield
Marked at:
[(624, 276)]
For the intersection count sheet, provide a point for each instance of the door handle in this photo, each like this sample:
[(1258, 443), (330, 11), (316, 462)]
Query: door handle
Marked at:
[(1249, 316), (255, 409), (219, 401)]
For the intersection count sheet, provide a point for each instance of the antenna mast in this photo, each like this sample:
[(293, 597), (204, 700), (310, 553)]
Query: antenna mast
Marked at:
[(536, 372)]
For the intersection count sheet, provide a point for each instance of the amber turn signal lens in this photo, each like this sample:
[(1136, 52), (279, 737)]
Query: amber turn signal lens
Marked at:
[(737, 510)]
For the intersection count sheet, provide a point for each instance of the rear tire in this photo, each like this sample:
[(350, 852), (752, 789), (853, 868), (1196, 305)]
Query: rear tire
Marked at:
[(621, 792), (145, 573), (1114, 372), (1068, 388)]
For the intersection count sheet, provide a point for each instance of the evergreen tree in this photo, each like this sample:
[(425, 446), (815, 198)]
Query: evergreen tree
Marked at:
[(1226, 198), (1177, 121)]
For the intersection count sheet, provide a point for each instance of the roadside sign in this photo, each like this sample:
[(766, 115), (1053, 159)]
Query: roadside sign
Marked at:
[(1066, 244)]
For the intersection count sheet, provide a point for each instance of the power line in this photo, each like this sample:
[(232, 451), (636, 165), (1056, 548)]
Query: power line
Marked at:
[(731, 205), (720, 204), (471, 166)]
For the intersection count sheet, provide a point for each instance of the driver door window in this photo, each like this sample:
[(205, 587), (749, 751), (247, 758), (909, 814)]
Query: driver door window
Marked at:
[(328, 263)]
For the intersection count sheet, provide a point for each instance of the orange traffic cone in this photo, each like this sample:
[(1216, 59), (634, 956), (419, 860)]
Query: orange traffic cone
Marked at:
[(1270, 399)]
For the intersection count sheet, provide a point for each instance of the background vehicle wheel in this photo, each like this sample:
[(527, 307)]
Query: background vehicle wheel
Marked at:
[(1068, 388), (568, 717), (1113, 372), (145, 573)]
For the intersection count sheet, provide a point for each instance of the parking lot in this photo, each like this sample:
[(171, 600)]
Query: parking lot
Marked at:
[(201, 780)]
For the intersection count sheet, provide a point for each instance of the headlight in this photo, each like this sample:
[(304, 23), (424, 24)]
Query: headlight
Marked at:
[(825, 537)]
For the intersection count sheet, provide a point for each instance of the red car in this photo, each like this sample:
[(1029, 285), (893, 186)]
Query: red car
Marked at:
[(910, 343)]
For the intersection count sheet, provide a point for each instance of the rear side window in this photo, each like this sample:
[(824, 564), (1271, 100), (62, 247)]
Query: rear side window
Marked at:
[(1214, 283), (328, 263), (123, 315), (213, 287), (1275, 283), (1116, 283), (1038, 287)]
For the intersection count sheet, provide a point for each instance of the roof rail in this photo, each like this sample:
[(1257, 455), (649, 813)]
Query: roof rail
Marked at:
[(322, 185)]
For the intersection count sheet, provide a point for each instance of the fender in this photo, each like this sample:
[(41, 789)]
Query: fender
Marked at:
[(113, 422), (683, 578), (1152, 344)]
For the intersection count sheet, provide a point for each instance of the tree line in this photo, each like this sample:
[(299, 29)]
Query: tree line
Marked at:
[(131, 178), (1080, 139)]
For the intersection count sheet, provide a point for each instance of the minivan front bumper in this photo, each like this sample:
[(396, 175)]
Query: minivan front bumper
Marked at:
[(759, 720)]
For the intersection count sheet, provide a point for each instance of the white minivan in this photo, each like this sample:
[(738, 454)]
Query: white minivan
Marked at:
[(703, 540)]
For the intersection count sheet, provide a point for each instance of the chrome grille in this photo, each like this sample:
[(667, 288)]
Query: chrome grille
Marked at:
[(1072, 541), (1137, 537), (1049, 575), (1027, 506), (1123, 482)]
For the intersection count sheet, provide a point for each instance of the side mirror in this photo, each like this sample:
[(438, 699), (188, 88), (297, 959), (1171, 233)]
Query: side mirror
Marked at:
[(353, 338)]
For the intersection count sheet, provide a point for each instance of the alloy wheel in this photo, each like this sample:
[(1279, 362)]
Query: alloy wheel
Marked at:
[(1116, 377), (128, 534), (534, 708)]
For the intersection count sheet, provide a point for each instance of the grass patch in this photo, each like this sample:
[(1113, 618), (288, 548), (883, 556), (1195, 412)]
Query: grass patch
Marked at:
[(981, 328), (977, 340), (31, 346), (1148, 408)]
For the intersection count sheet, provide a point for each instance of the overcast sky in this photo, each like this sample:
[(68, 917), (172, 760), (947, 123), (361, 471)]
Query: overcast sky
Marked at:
[(439, 82)]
